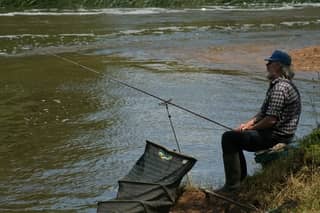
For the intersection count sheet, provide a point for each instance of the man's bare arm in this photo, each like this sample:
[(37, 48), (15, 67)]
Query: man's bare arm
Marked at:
[(265, 123), (250, 123)]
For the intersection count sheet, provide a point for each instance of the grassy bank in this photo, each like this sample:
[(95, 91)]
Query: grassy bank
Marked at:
[(73, 4), (291, 184)]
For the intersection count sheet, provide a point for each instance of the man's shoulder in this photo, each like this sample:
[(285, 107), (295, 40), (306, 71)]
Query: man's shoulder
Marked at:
[(287, 88), (283, 84)]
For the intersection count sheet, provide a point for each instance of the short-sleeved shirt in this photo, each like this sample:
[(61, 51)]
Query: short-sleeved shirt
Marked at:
[(282, 101)]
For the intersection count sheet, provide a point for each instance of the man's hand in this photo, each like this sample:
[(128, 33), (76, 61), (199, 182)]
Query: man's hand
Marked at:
[(265, 123), (246, 126)]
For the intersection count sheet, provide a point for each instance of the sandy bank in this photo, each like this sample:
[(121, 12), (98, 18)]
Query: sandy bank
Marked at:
[(250, 57), (306, 59)]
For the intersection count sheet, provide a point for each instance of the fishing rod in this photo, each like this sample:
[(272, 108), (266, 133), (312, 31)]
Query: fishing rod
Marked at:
[(167, 102)]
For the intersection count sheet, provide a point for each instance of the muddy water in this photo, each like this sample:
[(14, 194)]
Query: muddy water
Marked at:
[(67, 135)]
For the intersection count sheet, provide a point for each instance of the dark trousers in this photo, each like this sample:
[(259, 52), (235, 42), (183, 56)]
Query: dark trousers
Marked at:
[(250, 140)]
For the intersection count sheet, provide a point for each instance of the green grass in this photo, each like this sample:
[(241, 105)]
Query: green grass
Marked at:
[(291, 183), (73, 4)]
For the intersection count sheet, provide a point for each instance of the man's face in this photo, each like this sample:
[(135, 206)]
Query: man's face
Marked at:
[(274, 69)]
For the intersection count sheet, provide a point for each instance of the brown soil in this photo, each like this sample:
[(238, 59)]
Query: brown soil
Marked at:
[(196, 201), (251, 56), (240, 56), (306, 59)]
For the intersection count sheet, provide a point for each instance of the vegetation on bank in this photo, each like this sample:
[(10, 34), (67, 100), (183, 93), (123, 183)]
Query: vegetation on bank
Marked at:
[(290, 184), (73, 4)]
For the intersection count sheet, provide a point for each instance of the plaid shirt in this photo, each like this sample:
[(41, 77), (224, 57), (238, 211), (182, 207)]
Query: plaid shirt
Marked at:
[(282, 101)]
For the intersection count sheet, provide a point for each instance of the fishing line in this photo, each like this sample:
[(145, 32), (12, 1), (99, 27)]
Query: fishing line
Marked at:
[(143, 91)]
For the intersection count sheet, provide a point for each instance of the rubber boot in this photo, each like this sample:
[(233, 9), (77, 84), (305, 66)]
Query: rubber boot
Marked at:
[(232, 169), (243, 166)]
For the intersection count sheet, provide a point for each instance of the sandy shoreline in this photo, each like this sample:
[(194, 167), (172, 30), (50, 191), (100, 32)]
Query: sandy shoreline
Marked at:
[(306, 59), (251, 56)]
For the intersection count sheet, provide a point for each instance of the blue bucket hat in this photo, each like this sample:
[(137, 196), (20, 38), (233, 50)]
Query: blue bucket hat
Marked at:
[(281, 57)]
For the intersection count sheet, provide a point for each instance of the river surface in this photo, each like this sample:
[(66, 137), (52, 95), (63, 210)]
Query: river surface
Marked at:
[(67, 135)]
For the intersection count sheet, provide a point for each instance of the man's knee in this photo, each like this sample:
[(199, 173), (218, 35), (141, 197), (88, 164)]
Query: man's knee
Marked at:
[(228, 142)]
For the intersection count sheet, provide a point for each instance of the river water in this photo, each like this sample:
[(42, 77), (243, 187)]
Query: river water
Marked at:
[(67, 135)]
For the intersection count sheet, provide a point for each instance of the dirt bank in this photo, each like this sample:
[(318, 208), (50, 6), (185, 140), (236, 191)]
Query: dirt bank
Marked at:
[(306, 59), (196, 201), (250, 57), (285, 185)]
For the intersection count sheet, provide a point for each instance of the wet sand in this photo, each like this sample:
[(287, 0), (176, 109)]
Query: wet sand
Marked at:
[(306, 59), (250, 56)]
